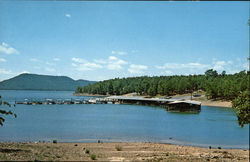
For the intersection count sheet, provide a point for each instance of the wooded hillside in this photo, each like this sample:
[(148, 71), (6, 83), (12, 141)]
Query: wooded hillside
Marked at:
[(42, 82), (217, 86)]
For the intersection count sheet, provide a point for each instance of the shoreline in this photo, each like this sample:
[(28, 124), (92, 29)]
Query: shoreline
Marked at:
[(225, 104), (204, 101), (89, 95), (119, 151)]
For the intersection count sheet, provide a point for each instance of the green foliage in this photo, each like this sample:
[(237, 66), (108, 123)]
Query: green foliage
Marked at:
[(87, 151), (5, 112), (93, 156), (217, 86), (211, 73), (118, 148), (242, 107), (223, 86), (42, 82), (54, 141)]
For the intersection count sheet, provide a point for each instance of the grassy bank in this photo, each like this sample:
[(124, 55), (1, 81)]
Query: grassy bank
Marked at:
[(116, 152)]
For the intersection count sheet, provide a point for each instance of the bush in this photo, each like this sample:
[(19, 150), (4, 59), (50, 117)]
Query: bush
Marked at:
[(93, 156), (54, 141), (242, 107), (118, 148), (87, 151)]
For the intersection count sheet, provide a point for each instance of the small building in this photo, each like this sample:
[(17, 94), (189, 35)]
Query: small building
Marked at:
[(184, 106)]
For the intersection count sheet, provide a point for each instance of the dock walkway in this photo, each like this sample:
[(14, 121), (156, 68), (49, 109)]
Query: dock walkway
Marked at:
[(171, 104)]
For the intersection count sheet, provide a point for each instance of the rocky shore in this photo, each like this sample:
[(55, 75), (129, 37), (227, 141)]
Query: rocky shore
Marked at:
[(116, 152)]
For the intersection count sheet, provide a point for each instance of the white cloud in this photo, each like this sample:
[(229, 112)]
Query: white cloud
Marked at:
[(78, 60), (2, 60), (112, 63), (168, 72), (50, 69), (232, 71), (100, 61), (137, 69), (84, 65), (220, 65), (119, 52), (3, 71), (68, 15), (56, 59), (180, 66), (115, 63), (88, 66), (6, 49), (198, 68), (245, 66)]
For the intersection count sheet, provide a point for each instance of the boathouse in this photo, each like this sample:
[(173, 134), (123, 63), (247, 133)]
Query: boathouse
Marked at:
[(174, 105), (184, 106)]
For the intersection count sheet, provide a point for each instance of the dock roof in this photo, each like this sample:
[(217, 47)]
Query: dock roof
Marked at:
[(186, 101), (138, 98)]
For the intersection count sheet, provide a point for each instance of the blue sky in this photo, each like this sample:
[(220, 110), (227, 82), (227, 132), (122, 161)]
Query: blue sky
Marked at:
[(104, 40)]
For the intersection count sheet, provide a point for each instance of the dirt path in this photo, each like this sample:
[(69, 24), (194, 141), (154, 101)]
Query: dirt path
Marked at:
[(116, 152)]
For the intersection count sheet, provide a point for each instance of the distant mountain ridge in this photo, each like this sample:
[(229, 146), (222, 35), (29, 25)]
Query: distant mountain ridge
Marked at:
[(42, 82)]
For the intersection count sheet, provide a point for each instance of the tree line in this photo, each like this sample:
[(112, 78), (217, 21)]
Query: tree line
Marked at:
[(232, 87), (217, 86)]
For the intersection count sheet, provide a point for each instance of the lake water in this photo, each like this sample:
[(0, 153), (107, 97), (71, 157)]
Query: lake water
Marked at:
[(213, 126)]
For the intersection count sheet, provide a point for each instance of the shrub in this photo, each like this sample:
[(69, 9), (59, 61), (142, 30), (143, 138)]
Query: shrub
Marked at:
[(87, 151), (93, 156), (118, 148), (54, 141), (219, 147)]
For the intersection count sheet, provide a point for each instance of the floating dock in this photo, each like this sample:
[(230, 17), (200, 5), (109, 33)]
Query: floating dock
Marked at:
[(174, 105)]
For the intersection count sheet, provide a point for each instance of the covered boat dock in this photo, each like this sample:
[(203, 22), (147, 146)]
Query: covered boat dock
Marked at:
[(176, 105)]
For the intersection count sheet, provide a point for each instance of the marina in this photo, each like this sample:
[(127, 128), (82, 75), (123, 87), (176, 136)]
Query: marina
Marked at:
[(117, 121), (175, 105)]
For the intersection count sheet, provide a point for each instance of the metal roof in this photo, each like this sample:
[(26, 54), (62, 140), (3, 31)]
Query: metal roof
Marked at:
[(138, 98), (186, 101)]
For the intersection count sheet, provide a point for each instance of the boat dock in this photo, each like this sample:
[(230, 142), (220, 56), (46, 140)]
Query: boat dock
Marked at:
[(171, 104), (176, 105), (53, 101)]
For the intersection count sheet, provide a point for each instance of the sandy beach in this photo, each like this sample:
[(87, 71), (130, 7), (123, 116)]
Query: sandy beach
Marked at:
[(204, 101), (116, 152), (217, 103)]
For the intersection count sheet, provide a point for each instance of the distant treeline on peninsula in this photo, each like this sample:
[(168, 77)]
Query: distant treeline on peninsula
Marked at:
[(217, 86)]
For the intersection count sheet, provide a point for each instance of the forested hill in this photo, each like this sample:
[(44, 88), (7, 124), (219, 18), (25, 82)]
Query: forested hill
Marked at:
[(42, 82), (217, 86)]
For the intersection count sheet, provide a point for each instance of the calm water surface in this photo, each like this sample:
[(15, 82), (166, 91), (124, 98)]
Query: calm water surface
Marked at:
[(213, 126)]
